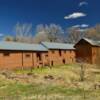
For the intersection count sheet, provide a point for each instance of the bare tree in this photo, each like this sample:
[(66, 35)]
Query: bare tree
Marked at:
[(23, 32), (52, 32), (75, 34), (40, 28), (39, 37), (55, 33), (41, 34)]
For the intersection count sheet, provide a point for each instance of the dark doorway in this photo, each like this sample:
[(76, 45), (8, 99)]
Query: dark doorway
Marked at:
[(60, 52), (51, 63), (39, 56), (64, 62)]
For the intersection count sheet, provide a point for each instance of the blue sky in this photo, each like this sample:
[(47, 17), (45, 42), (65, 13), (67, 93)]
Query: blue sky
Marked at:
[(67, 13)]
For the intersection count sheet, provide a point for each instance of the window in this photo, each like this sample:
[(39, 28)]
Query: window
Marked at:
[(6, 54), (53, 51), (27, 55), (46, 55)]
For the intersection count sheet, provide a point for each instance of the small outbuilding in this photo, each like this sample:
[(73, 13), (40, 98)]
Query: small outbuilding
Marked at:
[(88, 50)]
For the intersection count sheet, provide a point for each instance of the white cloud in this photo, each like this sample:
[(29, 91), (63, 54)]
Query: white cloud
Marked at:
[(1, 34), (83, 3), (84, 25), (75, 15), (76, 26), (81, 26)]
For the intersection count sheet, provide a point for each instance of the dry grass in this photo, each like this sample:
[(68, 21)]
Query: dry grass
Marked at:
[(58, 83)]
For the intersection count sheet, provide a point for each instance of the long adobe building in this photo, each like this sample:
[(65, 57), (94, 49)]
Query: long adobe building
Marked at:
[(15, 55)]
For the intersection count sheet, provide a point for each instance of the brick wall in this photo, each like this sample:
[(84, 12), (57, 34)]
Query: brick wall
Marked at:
[(19, 59), (59, 57), (27, 59), (68, 56), (96, 55), (40, 59), (10, 59)]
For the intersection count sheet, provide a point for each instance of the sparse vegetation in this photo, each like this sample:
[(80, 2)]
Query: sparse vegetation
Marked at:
[(58, 83)]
